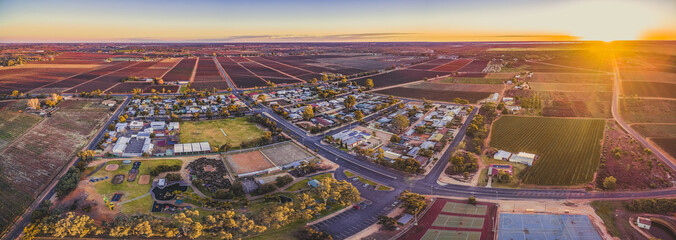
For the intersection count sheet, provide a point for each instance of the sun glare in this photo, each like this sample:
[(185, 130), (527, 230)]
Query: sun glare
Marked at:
[(612, 20)]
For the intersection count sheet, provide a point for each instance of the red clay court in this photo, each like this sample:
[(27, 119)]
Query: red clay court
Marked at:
[(455, 219)]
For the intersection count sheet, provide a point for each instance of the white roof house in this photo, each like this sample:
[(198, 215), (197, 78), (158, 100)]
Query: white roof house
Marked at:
[(120, 145), (643, 223), (136, 125), (120, 127), (174, 126), (523, 158), (502, 155), (158, 125)]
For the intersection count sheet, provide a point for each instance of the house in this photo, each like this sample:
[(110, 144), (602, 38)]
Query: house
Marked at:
[(413, 152), (162, 183), (121, 127), (353, 141), (523, 158), (391, 155), (314, 183), (120, 145), (174, 126), (136, 125), (643, 223), (108, 103), (502, 155), (494, 169), (158, 125)]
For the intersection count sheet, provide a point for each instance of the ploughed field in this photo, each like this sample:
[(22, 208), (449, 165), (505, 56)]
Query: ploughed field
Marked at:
[(443, 92), (568, 150), (649, 89), (399, 77), (182, 71)]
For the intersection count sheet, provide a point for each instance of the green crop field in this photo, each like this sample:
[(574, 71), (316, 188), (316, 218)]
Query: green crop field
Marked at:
[(236, 131), (568, 149)]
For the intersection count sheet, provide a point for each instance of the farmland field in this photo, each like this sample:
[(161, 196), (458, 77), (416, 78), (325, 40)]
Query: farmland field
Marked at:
[(13, 124), (32, 76), (399, 77), (158, 69), (32, 160), (207, 71), (568, 150), (239, 75), (435, 95), (431, 64), (453, 66), (655, 130), (182, 71), (648, 110), (236, 129), (649, 89), (472, 80), (588, 78), (668, 144), (653, 76), (474, 66), (569, 87), (105, 82)]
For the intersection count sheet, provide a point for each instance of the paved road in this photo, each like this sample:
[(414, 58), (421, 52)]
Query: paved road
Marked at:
[(615, 108)]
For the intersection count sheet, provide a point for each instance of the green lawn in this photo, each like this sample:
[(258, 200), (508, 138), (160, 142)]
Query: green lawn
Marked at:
[(361, 179), (236, 129), (13, 124), (383, 188), (303, 184), (129, 189)]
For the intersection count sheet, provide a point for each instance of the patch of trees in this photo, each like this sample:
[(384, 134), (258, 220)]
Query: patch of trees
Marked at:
[(658, 206), (408, 165), (477, 131), (265, 188), (164, 168), (388, 223), (413, 203), (282, 181), (309, 233), (12, 61), (461, 163)]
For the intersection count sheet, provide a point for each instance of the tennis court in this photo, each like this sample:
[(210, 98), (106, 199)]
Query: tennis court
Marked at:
[(458, 221), (546, 227), (434, 234), (464, 208)]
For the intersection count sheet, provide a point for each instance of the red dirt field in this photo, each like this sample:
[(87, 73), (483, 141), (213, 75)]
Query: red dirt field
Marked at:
[(454, 65), (207, 71), (247, 162), (399, 77), (84, 77), (262, 71), (159, 69), (571, 78), (281, 67), (182, 71), (437, 208), (240, 59), (431, 64), (240, 76), (435, 95), (105, 82), (634, 169), (32, 76), (474, 66), (649, 89), (220, 85), (668, 144), (127, 87)]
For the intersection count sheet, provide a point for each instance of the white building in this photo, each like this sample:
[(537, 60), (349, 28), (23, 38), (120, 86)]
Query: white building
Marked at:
[(643, 223), (523, 158), (174, 126), (136, 125), (502, 155), (120, 145), (158, 125)]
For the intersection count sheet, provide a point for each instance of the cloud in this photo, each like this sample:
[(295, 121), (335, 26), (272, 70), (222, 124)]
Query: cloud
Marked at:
[(303, 38)]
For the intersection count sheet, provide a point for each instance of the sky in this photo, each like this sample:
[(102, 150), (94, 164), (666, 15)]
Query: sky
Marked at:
[(335, 21)]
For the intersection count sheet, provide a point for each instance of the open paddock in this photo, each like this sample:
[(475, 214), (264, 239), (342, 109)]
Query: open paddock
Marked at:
[(649, 89), (435, 95), (431, 64), (585, 78), (236, 131), (240, 76), (281, 67), (30, 161), (128, 87), (182, 71), (220, 85), (653, 76), (668, 144), (207, 71), (454, 65), (399, 77), (158, 69), (648, 110), (569, 87), (262, 71), (87, 76), (474, 66), (104, 82)]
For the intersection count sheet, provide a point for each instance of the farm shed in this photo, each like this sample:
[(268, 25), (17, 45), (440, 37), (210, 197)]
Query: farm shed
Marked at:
[(191, 148), (523, 158), (502, 155)]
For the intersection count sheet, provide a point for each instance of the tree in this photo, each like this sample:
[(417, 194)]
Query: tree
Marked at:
[(400, 123), (387, 222), (369, 83), (313, 81), (358, 115), (160, 81), (15, 93), (350, 101), (609, 183), (308, 113), (471, 200), (34, 103), (309, 233), (283, 180), (261, 97), (395, 138), (341, 192), (412, 202), (460, 101)]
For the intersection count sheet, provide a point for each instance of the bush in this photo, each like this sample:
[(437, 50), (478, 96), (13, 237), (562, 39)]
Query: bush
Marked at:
[(471, 200), (164, 168), (283, 180), (173, 177), (265, 188), (67, 183)]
